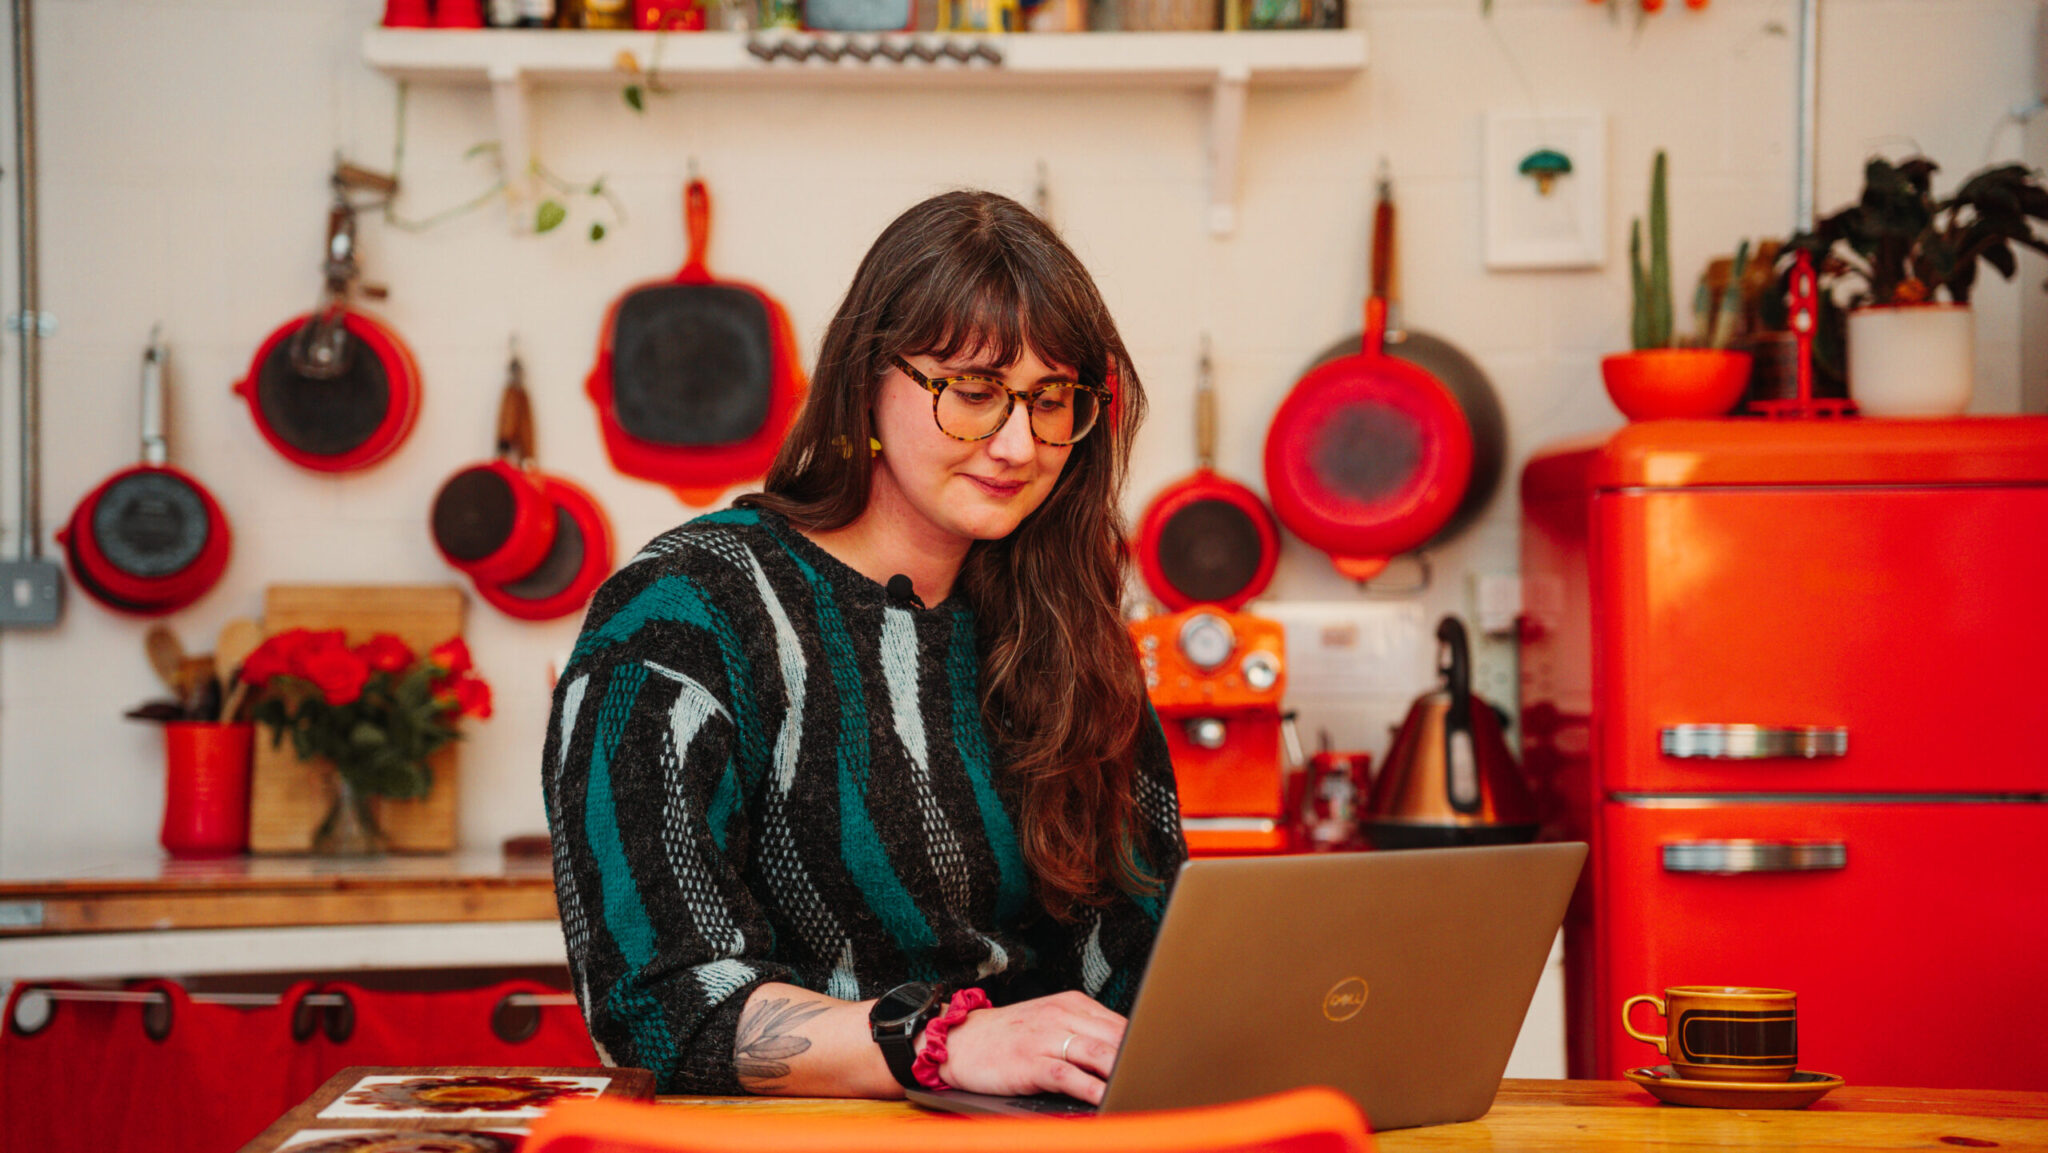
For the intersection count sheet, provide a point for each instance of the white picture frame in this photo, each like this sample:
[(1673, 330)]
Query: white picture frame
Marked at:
[(1527, 228)]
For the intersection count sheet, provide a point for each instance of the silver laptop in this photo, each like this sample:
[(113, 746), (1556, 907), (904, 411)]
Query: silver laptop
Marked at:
[(1399, 978)]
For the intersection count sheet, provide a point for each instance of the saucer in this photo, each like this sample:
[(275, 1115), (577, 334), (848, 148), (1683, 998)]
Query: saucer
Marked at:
[(1802, 1089)]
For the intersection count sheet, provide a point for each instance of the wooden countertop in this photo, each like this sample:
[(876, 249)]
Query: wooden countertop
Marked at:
[(1536, 1116), (160, 893)]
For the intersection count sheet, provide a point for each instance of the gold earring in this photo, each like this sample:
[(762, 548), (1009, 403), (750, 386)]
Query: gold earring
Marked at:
[(874, 447)]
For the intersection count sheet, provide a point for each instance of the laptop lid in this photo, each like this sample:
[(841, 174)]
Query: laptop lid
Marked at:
[(1400, 978)]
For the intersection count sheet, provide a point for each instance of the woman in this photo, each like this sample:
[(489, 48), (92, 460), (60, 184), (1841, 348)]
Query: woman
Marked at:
[(832, 769)]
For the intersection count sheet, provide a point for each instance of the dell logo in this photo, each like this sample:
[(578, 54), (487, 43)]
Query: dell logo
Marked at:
[(1345, 999)]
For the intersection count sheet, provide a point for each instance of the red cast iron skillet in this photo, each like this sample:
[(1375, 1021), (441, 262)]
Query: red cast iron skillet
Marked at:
[(696, 380), (150, 539), (1206, 539), (1369, 455), (338, 425), (577, 562), (1449, 364), (494, 520)]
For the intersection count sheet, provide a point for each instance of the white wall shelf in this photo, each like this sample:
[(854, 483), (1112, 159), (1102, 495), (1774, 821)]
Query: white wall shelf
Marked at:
[(1224, 63)]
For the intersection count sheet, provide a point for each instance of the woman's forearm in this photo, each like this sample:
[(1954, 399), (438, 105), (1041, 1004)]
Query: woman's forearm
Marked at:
[(797, 1043)]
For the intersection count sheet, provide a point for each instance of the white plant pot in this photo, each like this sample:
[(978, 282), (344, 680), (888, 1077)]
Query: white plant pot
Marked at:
[(1912, 359)]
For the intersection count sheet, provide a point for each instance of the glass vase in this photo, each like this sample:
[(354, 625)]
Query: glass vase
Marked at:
[(351, 828)]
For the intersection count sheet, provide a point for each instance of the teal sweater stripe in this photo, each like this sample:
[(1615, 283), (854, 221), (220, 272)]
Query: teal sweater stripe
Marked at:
[(860, 846), (963, 666)]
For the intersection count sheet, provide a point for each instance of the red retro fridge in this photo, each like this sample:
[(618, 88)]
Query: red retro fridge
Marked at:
[(1790, 680)]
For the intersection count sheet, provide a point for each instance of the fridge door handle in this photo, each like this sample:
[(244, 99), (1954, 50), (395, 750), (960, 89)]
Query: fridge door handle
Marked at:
[(1753, 742), (1727, 858)]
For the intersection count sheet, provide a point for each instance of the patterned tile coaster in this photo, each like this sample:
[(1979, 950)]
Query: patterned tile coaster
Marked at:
[(449, 1096)]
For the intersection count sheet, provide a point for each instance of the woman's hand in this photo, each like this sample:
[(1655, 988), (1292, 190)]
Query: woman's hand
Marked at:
[(1065, 1043)]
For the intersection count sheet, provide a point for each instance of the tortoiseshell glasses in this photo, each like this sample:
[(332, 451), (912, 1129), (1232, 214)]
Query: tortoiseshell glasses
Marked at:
[(975, 407)]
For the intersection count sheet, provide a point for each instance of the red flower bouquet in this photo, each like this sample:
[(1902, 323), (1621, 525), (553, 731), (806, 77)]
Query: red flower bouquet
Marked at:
[(376, 710)]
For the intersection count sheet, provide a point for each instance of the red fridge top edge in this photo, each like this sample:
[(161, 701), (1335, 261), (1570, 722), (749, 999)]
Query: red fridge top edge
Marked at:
[(1850, 451)]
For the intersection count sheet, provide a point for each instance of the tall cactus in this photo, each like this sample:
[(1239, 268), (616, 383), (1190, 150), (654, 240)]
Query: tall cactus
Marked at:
[(1650, 317)]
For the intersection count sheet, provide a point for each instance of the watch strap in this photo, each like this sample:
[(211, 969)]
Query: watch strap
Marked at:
[(899, 1043)]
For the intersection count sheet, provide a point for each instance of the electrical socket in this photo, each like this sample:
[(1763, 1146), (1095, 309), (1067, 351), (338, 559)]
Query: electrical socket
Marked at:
[(31, 594)]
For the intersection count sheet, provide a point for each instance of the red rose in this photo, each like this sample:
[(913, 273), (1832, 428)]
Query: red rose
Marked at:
[(385, 653), (339, 673), (270, 659), (451, 657), (473, 696)]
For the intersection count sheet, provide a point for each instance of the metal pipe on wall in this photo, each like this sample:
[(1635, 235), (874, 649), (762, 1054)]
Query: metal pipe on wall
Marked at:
[(30, 544), (1809, 115)]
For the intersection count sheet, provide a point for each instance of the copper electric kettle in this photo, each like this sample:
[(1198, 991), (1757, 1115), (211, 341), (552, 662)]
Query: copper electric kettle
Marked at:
[(1449, 779)]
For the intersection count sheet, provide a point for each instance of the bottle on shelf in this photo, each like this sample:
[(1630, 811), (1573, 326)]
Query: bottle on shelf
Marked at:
[(607, 14)]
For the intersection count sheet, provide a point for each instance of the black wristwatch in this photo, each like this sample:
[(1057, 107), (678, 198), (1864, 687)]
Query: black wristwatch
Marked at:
[(895, 1020)]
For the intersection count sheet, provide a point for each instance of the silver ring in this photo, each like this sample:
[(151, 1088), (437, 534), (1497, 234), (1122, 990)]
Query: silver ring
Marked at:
[(1065, 1043)]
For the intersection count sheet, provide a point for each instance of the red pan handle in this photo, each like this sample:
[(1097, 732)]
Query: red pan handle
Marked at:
[(1382, 273), (697, 222)]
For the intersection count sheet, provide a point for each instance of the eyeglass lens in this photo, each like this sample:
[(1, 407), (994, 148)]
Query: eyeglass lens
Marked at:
[(972, 408)]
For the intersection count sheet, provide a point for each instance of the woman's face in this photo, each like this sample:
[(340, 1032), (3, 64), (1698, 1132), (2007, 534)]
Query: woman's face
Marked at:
[(950, 492)]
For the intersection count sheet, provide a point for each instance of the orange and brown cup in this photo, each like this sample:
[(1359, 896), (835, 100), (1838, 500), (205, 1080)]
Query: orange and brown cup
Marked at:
[(1724, 1032)]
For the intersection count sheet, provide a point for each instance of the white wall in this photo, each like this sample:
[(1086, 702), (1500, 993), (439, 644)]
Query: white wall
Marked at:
[(185, 144)]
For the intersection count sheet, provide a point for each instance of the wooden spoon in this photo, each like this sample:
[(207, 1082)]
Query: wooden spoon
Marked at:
[(238, 638), (166, 656)]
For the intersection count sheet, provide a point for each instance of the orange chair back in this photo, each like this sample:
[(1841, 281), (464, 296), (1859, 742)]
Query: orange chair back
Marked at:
[(1313, 1120)]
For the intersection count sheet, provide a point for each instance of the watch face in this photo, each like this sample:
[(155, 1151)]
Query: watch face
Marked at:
[(902, 1004)]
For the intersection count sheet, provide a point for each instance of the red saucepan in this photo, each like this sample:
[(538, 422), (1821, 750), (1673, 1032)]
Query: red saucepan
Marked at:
[(1206, 539), (334, 390), (150, 539), (335, 423), (696, 380), (576, 562), (494, 520), (1449, 364), (1369, 455)]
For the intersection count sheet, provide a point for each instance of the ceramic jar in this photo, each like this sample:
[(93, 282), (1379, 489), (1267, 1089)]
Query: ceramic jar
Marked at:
[(1912, 359)]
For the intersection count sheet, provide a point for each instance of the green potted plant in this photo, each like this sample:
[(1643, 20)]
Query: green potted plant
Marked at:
[(1903, 262), (1665, 378)]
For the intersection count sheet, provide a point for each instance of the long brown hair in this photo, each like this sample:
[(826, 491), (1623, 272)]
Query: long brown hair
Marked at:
[(969, 272)]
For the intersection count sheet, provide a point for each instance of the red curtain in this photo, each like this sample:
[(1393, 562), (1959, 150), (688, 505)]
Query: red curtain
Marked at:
[(179, 1076)]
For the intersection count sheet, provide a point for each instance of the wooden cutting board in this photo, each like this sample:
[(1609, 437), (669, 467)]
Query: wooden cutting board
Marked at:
[(287, 797)]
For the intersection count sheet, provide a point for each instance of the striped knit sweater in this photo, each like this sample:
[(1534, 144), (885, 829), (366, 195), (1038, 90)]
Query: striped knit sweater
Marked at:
[(759, 768)]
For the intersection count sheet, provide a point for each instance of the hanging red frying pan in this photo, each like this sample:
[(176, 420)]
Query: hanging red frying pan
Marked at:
[(337, 416), (696, 380), (150, 539), (1206, 539), (334, 390), (493, 520), (1369, 455), (578, 560), (1451, 366)]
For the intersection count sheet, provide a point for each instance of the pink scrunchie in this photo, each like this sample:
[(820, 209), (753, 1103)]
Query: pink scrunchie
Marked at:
[(926, 1067)]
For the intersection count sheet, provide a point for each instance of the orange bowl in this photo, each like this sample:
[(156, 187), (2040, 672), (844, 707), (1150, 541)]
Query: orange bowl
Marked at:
[(1675, 383)]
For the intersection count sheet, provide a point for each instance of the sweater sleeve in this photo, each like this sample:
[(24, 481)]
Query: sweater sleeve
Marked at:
[(646, 771)]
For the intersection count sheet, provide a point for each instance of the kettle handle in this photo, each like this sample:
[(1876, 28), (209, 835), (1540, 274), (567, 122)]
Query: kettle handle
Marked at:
[(1461, 767)]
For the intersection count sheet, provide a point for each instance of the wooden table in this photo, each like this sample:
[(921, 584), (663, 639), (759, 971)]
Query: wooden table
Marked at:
[(1537, 1116)]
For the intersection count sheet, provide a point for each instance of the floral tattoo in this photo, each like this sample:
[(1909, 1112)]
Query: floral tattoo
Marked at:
[(764, 1042)]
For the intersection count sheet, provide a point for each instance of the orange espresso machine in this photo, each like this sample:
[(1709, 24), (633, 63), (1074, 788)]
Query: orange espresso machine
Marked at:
[(1215, 678)]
